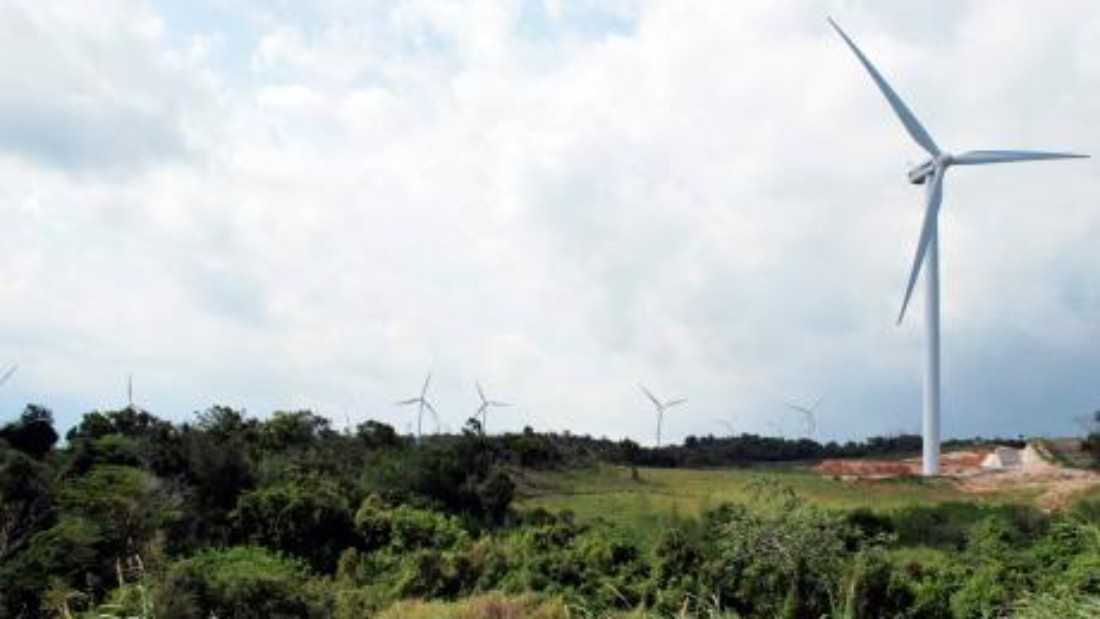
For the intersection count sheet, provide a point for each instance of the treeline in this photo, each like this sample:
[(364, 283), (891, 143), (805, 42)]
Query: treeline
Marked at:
[(232, 516)]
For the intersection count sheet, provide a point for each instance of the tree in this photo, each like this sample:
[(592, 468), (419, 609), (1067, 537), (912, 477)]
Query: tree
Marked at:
[(377, 435), (239, 582), (630, 453), (1091, 443), (308, 517), (26, 500), (33, 433)]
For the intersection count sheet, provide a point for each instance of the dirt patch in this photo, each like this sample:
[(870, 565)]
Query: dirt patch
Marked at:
[(1056, 486), (952, 464)]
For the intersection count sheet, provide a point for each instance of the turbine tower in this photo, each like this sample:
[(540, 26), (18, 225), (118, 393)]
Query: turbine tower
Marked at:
[(809, 414), (661, 408), (422, 403), (931, 173), (486, 404)]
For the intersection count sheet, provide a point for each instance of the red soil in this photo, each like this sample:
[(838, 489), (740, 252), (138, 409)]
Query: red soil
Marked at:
[(956, 463)]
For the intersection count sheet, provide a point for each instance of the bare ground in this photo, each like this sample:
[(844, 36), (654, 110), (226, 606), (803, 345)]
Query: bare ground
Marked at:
[(1056, 486)]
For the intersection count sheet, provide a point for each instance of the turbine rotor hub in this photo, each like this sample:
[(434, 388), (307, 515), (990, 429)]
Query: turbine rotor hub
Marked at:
[(920, 173)]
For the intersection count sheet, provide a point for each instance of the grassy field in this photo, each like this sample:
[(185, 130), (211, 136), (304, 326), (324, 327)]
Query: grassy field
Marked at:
[(661, 495)]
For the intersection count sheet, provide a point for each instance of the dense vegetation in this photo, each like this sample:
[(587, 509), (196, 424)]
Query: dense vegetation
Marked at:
[(134, 516)]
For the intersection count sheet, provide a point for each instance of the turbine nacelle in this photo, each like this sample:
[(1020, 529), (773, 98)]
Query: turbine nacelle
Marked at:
[(920, 174)]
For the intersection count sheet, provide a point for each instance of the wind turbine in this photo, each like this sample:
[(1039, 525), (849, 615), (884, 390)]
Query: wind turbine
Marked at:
[(130, 390), (422, 403), (486, 404), (8, 374), (931, 173), (728, 425), (809, 414), (661, 408)]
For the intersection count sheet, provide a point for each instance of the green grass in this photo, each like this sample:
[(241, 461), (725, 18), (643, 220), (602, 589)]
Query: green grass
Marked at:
[(662, 495)]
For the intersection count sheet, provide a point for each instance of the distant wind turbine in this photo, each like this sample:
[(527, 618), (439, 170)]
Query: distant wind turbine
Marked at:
[(661, 408), (726, 424), (931, 174), (486, 404), (422, 403), (8, 374), (809, 414)]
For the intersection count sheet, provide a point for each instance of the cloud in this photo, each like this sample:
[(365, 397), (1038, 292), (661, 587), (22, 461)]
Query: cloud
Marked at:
[(93, 89), (557, 199)]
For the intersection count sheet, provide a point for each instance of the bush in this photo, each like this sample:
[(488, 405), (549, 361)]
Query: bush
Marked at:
[(63, 555), (307, 517), (242, 581)]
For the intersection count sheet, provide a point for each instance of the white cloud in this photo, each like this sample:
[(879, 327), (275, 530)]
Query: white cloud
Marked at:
[(561, 202)]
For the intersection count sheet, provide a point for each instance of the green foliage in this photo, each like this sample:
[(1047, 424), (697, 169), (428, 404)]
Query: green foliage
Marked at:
[(490, 606), (129, 436), (948, 525), (307, 517), (293, 430), (377, 435), (1091, 444), (460, 478), (405, 528), (787, 557), (1056, 606), (128, 504), (33, 433), (65, 553), (240, 582), (26, 500), (232, 516)]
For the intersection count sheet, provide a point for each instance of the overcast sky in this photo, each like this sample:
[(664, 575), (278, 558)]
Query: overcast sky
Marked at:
[(283, 205)]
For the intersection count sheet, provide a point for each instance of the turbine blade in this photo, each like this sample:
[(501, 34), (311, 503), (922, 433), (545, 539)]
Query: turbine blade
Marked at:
[(409, 401), (672, 403), (7, 375), (428, 405), (931, 212), (498, 403), (818, 403), (912, 125), (796, 407), (977, 157), (427, 381), (480, 392), (649, 395)]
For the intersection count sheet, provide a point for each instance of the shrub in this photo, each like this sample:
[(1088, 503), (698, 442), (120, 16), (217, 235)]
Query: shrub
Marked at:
[(307, 517), (242, 581)]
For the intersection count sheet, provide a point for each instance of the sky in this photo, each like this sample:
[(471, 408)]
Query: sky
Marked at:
[(286, 205)]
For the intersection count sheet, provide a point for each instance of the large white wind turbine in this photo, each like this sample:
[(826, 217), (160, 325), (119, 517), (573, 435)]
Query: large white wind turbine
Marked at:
[(422, 403), (931, 173), (661, 408), (486, 404)]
